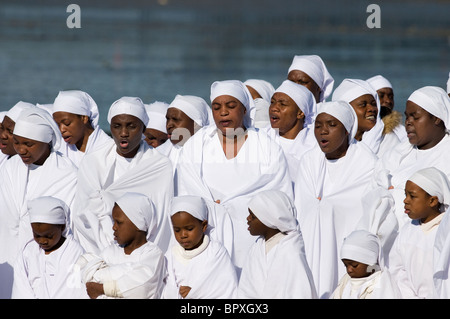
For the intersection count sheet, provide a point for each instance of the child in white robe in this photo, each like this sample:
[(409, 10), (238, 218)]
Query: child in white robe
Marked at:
[(156, 133), (276, 266), (199, 266), (411, 257), (133, 267), (45, 268)]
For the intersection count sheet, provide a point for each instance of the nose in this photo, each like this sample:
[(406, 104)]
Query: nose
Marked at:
[(124, 132)]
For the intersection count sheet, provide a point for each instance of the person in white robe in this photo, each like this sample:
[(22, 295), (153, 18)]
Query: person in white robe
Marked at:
[(276, 265), (133, 267), (38, 170), (45, 267), (156, 132), (328, 191), (261, 91), (411, 258), (77, 115), (390, 117), (427, 123), (130, 165), (206, 268), (364, 100), (366, 277), (230, 161)]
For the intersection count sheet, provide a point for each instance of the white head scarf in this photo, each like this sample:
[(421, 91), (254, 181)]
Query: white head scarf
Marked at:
[(156, 113), (194, 205), (49, 210), (448, 84), (238, 90), (275, 210), (37, 124), (362, 246), (264, 88), (195, 107), (434, 100), (2, 115), (77, 102), (302, 97), (128, 105), (314, 66), (379, 82), (140, 210), (343, 112), (15, 111)]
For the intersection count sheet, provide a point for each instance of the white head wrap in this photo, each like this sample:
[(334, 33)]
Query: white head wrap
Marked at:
[(275, 210), (434, 100), (156, 113), (38, 125), (195, 107), (49, 210), (77, 102), (264, 88), (140, 210), (238, 90), (128, 105), (195, 206), (314, 66), (343, 112), (361, 246), (448, 84), (379, 82), (2, 115), (15, 111), (302, 97)]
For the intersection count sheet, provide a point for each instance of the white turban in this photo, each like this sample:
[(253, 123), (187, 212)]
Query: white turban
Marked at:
[(77, 102), (314, 66), (193, 205), (238, 90), (15, 111), (434, 100), (264, 88), (156, 113), (47, 210), (128, 105), (361, 246), (302, 97), (275, 210), (343, 112), (140, 210), (195, 107), (379, 82), (38, 125), (351, 89), (434, 182)]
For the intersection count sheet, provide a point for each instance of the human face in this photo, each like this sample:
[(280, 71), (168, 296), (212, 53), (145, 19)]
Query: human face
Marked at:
[(366, 110), (331, 135), (6, 137), (72, 127), (188, 230), (419, 204), (304, 79), (127, 131), (31, 151), (355, 269), (285, 115), (386, 96), (49, 237), (176, 119), (255, 226), (228, 113), (154, 137), (125, 232)]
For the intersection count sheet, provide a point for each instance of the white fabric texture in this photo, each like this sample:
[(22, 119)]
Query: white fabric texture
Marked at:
[(48, 210), (14, 112), (77, 102), (264, 88), (128, 105), (379, 82), (156, 113), (195, 107)]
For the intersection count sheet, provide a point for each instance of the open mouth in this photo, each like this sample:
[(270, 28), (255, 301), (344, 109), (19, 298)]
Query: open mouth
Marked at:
[(225, 123), (66, 138), (274, 119), (124, 143), (371, 118), (324, 143)]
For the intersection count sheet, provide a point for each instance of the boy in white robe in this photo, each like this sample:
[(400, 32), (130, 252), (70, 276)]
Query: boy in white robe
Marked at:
[(276, 266), (44, 269), (129, 165), (133, 267), (156, 132), (411, 257), (199, 266)]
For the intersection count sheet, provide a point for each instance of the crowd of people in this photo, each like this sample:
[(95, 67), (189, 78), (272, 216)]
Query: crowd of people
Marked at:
[(308, 190)]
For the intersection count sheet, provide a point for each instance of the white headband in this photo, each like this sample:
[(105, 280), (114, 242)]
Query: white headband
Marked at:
[(128, 105), (195, 107), (77, 102), (434, 182), (194, 205), (156, 113), (48, 210), (434, 100), (343, 112)]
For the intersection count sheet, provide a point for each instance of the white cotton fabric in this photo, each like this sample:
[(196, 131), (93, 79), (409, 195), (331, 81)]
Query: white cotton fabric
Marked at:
[(77, 102), (48, 210), (434, 182), (195, 107), (343, 112), (314, 66), (363, 247), (14, 112), (128, 105), (156, 113), (263, 87), (261, 119), (379, 82)]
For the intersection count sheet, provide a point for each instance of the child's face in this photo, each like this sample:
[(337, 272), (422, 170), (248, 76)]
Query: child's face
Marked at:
[(127, 131), (419, 125), (124, 229), (72, 126), (188, 230), (331, 135), (49, 237), (255, 226), (355, 269), (31, 151), (418, 203)]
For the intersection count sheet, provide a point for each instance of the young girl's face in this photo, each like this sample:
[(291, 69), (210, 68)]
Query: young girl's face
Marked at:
[(72, 126), (284, 113), (31, 151), (124, 229), (49, 237), (255, 226), (418, 203), (420, 125), (366, 110), (355, 269), (228, 113), (331, 135), (188, 230)]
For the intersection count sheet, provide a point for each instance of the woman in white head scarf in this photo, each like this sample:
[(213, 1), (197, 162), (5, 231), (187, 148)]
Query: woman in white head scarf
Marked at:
[(276, 266), (261, 91), (76, 114), (229, 169), (156, 132), (333, 178)]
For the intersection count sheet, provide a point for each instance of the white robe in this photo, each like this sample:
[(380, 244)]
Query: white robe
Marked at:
[(204, 170), (328, 201), (207, 270), (148, 173), (172, 152), (390, 141), (411, 259), (280, 273), (41, 276)]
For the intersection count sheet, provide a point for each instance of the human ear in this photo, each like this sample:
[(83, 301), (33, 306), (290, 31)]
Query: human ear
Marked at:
[(434, 201)]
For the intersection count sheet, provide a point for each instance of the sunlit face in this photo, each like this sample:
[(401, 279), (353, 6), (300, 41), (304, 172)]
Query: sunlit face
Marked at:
[(418, 203), (127, 131), (49, 237), (72, 127), (285, 115), (6, 137), (188, 230), (31, 151), (177, 120), (386, 96), (355, 269), (331, 135), (366, 110), (304, 79), (255, 226), (228, 113), (155, 137), (125, 231)]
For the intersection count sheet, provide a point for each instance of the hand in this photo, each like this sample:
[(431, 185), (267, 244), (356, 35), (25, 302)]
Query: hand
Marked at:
[(184, 290), (218, 201), (94, 289)]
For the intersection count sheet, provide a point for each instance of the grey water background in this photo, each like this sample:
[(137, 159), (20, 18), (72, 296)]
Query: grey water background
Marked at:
[(156, 49)]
